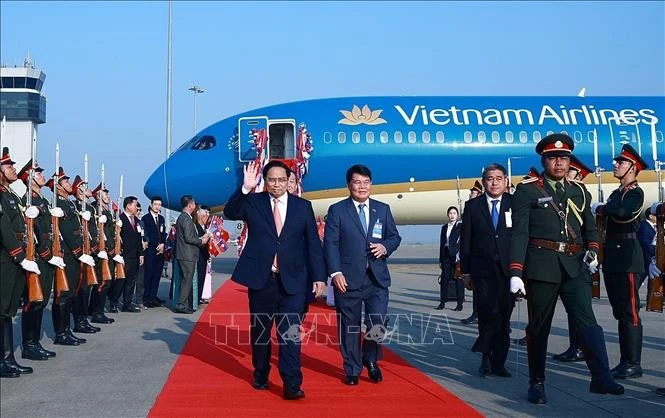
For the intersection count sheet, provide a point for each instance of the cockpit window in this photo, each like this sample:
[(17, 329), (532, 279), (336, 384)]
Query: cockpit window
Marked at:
[(206, 142)]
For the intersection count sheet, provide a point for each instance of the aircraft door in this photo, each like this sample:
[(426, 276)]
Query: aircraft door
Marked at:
[(247, 148)]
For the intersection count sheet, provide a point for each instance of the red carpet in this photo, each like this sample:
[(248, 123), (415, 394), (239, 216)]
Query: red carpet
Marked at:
[(214, 379)]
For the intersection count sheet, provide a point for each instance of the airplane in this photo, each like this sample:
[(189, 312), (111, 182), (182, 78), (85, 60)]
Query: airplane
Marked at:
[(424, 152)]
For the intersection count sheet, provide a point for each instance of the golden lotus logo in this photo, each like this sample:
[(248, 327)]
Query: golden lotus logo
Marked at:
[(361, 117)]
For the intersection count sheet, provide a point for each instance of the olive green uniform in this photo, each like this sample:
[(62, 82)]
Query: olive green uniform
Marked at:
[(12, 252)]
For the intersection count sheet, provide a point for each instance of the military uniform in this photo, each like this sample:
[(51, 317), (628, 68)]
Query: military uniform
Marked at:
[(623, 266), (549, 255), (99, 295), (12, 276)]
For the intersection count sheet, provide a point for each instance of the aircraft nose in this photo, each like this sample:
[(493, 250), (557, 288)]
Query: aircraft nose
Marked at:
[(156, 186)]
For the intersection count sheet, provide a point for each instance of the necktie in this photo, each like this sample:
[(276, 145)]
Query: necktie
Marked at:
[(131, 220), (361, 215), (278, 225), (495, 213), (559, 191)]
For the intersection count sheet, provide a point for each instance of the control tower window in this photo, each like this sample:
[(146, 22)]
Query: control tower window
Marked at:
[(31, 83), (19, 82), (206, 142)]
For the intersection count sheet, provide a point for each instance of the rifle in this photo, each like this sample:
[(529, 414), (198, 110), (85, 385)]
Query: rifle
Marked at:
[(655, 297), (105, 269), (600, 223), (35, 294), (90, 274), (61, 284), (119, 267)]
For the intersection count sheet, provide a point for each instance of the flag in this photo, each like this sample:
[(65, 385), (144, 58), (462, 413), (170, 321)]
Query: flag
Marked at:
[(169, 245), (217, 244)]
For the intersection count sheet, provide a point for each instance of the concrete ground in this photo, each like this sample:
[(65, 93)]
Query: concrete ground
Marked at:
[(121, 370)]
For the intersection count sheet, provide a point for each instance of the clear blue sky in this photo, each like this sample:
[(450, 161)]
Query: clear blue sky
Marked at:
[(106, 61)]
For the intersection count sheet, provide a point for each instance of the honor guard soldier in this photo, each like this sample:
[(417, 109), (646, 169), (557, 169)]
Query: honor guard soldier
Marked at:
[(553, 247), (31, 319), (576, 172), (70, 231), (624, 264), (82, 304), (13, 264), (98, 299)]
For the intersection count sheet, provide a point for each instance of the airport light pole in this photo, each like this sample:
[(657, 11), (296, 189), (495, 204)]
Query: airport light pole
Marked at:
[(196, 90)]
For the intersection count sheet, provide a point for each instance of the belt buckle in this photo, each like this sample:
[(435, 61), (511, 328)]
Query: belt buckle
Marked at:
[(562, 247)]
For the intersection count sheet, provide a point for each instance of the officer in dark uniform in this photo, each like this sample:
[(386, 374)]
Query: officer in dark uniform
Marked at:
[(554, 247), (82, 302), (13, 264), (577, 172), (624, 264), (31, 318), (98, 299), (70, 230)]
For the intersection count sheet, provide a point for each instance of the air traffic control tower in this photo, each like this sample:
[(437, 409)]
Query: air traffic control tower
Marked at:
[(23, 106)]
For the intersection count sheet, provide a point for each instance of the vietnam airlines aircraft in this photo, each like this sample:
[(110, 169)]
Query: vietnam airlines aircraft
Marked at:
[(416, 147)]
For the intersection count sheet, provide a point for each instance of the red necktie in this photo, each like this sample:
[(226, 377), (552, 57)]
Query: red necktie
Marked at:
[(278, 225)]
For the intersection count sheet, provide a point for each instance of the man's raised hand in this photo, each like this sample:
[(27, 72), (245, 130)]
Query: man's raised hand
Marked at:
[(251, 173)]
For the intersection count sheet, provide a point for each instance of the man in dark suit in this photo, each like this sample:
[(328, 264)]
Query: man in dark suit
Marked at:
[(448, 251), (155, 235), (281, 262), (554, 247), (188, 243), (646, 234), (132, 253), (484, 253), (360, 235)]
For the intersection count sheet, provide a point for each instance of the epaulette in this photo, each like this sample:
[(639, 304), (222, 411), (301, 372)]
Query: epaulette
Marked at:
[(575, 181), (529, 180)]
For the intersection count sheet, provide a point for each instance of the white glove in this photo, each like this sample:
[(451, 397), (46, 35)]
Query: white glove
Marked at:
[(32, 212), (102, 219), (654, 208), (103, 255), (118, 223), (86, 259), (591, 261), (57, 261), (654, 271), (119, 259), (57, 212), (85, 215), (30, 266), (517, 285), (594, 207)]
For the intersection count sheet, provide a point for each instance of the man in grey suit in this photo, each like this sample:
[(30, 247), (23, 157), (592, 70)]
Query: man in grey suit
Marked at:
[(188, 243)]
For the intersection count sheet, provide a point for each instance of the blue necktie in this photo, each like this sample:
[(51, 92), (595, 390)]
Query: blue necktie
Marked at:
[(495, 214), (361, 214)]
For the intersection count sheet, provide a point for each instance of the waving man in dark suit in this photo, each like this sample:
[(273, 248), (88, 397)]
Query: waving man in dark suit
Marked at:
[(360, 235), (282, 241)]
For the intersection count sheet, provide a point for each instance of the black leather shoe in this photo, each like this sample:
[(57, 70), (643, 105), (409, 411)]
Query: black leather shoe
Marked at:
[(473, 319), (30, 351), (184, 310), (7, 371), (293, 395), (48, 353), (80, 327), (458, 308), (605, 386), (114, 309), (101, 319), (500, 371), (131, 308), (161, 301), (89, 325), (351, 380), (570, 355), (260, 384), (64, 339), (485, 368), (537, 394), (440, 307), (627, 371), (374, 372), (12, 364), (79, 339)]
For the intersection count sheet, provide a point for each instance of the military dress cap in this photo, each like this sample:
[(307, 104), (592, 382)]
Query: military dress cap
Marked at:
[(61, 176), (628, 153), (99, 189), (580, 167), (6, 159), (477, 187), (24, 174), (555, 145), (78, 181)]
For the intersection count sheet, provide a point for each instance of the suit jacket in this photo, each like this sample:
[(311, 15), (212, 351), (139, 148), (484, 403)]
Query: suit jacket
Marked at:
[(645, 235), (132, 246), (453, 241), (346, 245), (298, 246), (187, 240), (155, 234), (480, 243), (204, 253), (535, 217)]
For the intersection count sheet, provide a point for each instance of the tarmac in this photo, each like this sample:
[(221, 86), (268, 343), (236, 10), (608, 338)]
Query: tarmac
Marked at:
[(120, 371)]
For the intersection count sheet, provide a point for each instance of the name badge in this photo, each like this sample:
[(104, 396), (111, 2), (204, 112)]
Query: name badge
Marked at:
[(545, 199), (377, 231), (162, 229), (509, 219)]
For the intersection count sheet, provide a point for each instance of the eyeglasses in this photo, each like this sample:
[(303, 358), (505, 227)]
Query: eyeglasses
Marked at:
[(280, 180)]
